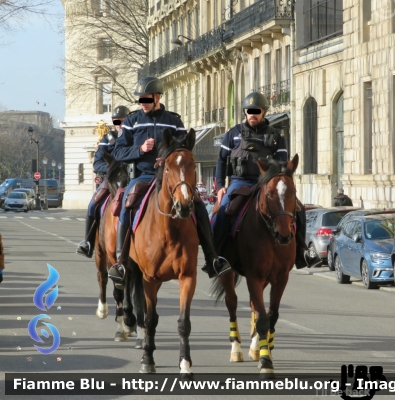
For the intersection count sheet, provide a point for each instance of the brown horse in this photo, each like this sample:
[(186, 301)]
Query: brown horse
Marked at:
[(105, 256), (263, 252), (165, 244)]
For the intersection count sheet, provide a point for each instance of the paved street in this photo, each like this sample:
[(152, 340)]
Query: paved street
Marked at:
[(322, 324)]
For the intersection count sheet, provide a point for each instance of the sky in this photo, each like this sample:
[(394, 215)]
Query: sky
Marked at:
[(30, 57)]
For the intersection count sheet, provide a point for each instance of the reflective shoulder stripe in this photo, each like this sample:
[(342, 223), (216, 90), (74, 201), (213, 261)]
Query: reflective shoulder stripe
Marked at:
[(103, 144), (236, 138), (181, 129), (127, 127), (282, 150), (226, 148)]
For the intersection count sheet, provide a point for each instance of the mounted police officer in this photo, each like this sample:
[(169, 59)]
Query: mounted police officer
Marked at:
[(137, 144), (106, 144), (244, 143)]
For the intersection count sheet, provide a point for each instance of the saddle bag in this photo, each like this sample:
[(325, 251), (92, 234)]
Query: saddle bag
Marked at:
[(102, 194), (116, 205), (136, 194), (238, 199)]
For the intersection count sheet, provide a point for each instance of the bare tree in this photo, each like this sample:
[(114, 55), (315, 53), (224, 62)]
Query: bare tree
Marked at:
[(106, 41)]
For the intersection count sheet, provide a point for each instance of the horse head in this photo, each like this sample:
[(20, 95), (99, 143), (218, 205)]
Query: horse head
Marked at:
[(117, 173), (177, 173), (277, 198)]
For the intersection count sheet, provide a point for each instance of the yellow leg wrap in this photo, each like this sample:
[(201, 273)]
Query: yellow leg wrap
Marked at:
[(270, 339), (234, 331), (264, 349)]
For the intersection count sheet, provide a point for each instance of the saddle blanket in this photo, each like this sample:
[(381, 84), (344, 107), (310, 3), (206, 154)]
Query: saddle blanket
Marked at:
[(140, 211)]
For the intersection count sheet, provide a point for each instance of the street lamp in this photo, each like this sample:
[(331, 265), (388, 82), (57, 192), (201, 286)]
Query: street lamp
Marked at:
[(178, 41), (45, 162), (59, 168), (32, 140), (53, 168)]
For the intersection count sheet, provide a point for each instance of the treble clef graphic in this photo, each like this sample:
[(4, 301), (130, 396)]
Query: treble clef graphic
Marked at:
[(44, 302)]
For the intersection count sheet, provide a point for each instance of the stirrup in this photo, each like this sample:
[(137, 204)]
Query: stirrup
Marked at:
[(224, 265), (82, 251), (312, 262), (117, 274)]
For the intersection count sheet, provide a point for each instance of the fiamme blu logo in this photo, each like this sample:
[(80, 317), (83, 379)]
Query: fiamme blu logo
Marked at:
[(44, 297)]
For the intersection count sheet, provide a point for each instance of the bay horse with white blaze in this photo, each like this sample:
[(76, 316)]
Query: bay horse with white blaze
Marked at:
[(264, 252), (165, 244)]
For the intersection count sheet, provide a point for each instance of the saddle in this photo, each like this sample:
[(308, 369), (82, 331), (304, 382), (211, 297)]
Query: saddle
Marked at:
[(102, 194), (237, 199), (136, 194)]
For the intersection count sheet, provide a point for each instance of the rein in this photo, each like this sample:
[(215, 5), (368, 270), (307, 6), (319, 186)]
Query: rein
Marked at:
[(269, 219), (171, 191)]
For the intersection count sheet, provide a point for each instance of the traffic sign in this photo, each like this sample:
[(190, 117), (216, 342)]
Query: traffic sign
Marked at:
[(37, 175)]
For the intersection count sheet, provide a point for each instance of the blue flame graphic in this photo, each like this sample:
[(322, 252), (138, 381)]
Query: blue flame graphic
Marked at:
[(33, 334), (38, 298)]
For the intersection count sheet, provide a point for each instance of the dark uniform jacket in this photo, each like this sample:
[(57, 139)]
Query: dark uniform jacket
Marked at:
[(250, 143), (342, 200), (99, 165), (140, 126)]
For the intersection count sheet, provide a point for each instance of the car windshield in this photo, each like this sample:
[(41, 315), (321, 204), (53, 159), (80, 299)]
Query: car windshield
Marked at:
[(333, 218), (376, 230), (17, 195)]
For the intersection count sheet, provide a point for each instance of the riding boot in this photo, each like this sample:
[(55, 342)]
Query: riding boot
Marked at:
[(214, 265), (86, 247), (117, 271)]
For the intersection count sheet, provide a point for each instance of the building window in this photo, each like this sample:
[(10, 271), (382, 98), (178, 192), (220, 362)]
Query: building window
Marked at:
[(104, 49), (160, 52), (106, 97), (196, 16), (189, 25), (80, 173), (268, 76), (368, 127), (256, 74), (287, 63), (323, 19), (366, 17), (175, 100), (182, 25), (153, 48), (310, 136)]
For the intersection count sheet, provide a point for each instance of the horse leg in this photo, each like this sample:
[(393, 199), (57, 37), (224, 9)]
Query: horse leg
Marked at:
[(227, 280), (102, 278), (262, 327), (140, 306), (187, 289), (129, 319), (151, 322), (120, 334)]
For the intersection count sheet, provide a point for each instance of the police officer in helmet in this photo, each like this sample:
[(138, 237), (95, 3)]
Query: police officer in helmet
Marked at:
[(107, 143), (244, 143), (137, 144)]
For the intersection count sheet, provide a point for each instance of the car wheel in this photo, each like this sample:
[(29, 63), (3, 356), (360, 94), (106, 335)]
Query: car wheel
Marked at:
[(6, 209), (366, 277), (340, 276), (25, 211), (330, 260)]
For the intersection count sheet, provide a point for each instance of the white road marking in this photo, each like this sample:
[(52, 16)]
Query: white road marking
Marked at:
[(81, 219), (3, 217), (18, 217), (34, 217), (49, 217), (281, 188), (66, 219)]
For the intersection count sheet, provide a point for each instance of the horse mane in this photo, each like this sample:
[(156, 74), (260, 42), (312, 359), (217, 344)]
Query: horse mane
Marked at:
[(113, 171), (275, 168)]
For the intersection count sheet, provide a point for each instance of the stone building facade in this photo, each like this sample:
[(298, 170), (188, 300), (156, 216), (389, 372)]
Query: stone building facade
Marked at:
[(344, 100)]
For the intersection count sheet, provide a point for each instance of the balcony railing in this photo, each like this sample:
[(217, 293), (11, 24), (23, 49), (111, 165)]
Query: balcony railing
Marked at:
[(266, 90), (221, 114), (280, 93), (246, 20), (207, 115), (214, 115)]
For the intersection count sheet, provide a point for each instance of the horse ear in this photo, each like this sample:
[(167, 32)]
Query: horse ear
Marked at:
[(108, 158), (263, 167), (190, 139), (168, 138), (293, 164)]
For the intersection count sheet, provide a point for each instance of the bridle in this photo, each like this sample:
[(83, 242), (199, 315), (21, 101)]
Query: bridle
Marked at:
[(269, 219), (171, 190)]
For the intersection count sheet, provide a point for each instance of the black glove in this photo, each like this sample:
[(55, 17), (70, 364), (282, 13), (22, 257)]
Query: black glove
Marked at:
[(1, 278)]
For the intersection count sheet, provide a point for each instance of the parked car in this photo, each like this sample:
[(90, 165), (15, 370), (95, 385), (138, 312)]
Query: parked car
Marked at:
[(54, 193), (31, 197), (16, 201), (344, 220), (363, 250), (319, 225), (10, 184), (311, 206)]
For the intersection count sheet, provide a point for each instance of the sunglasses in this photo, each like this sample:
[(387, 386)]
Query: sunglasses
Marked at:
[(254, 111), (117, 122), (146, 100)]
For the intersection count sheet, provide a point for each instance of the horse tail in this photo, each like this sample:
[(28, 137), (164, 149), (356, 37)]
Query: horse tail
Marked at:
[(218, 291)]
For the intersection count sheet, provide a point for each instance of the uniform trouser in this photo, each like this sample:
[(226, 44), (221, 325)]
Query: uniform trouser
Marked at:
[(92, 205), (124, 216), (222, 225)]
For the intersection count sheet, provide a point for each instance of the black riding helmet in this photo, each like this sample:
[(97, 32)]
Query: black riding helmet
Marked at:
[(255, 100), (147, 85), (120, 112)]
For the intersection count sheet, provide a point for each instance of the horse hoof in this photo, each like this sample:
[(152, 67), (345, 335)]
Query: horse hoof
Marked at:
[(187, 377), (236, 357), (253, 354), (121, 337), (102, 310), (267, 373), (139, 344), (132, 334), (147, 369)]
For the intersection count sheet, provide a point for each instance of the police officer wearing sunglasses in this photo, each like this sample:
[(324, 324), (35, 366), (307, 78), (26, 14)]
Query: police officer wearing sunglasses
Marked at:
[(138, 144), (252, 139), (106, 144)]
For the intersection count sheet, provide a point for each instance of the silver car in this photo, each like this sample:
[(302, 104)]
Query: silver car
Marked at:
[(31, 196), (319, 225), (16, 201)]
